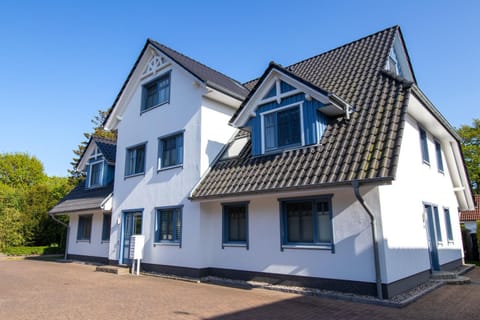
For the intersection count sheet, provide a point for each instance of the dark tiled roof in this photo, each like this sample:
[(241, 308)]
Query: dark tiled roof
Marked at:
[(107, 147), (472, 215), (365, 147), (204, 73), (81, 199)]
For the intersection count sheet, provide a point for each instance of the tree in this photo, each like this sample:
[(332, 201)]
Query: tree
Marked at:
[(470, 139), (10, 228), (20, 170), (98, 131)]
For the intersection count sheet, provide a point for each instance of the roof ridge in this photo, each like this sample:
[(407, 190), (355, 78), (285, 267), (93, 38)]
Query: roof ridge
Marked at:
[(196, 61), (395, 27)]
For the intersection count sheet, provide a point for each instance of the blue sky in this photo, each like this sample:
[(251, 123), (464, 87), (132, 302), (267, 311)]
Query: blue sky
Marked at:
[(61, 61)]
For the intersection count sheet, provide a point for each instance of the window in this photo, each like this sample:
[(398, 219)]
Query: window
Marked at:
[(169, 225), (235, 223), (282, 128), (170, 151), (438, 152), (307, 222), (448, 224), (95, 177), (84, 227), (424, 146), (392, 63), (156, 93), (107, 221), (135, 163), (438, 230)]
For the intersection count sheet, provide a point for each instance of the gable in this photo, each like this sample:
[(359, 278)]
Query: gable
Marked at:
[(398, 61), (277, 84)]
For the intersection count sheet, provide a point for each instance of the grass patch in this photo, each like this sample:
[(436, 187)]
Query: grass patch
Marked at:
[(30, 251)]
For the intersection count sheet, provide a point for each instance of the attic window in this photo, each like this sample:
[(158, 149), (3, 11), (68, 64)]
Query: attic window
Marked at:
[(393, 64), (235, 148)]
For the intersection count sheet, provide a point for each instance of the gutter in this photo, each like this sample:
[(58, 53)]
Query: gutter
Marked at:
[(68, 233), (378, 275)]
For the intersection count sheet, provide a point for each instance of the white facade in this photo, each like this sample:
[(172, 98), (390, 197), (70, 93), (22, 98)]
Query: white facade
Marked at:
[(95, 247), (204, 124)]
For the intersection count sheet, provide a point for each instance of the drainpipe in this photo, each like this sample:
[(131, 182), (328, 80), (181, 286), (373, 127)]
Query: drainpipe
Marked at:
[(68, 233), (378, 275)]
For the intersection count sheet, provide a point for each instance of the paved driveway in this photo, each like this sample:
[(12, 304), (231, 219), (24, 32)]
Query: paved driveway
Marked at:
[(48, 290)]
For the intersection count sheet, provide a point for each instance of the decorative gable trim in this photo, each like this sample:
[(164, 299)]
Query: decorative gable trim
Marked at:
[(264, 92), (156, 64)]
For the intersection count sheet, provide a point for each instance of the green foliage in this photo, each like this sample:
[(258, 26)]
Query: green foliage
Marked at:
[(20, 170), (470, 139), (26, 196), (11, 228), (29, 251)]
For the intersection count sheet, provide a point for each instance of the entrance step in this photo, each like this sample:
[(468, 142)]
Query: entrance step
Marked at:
[(448, 277), (113, 269)]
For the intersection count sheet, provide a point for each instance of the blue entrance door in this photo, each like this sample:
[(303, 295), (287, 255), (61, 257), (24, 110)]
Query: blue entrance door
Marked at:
[(132, 224), (432, 238)]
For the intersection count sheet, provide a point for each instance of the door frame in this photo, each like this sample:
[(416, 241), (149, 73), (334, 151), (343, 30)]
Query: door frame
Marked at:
[(124, 214)]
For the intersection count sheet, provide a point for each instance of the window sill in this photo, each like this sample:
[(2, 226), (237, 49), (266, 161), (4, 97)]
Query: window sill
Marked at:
[(170, 167), (134, 175), (234, 245), (154, 107), (95, 186), (168, 244), (307, 247), (105, 241), (427, 163), (83, 241)]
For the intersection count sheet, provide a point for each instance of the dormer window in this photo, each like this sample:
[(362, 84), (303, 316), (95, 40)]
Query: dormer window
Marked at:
[(95, 176), (392, 63), (156, 92), (282, 128)]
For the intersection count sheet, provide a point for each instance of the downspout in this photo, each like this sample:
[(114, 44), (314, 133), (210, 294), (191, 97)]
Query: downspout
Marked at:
[(68, 233), (378, 275)]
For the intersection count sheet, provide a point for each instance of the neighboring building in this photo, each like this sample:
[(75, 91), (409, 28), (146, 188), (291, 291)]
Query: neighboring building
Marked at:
[(283, 177), (470, 217), (89, 204)]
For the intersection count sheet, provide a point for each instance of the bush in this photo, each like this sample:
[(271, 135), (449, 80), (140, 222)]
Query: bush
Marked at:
[(30, 251)]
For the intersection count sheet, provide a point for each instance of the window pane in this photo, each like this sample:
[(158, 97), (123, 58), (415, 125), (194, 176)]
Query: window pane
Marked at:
[(299, 221), (424, 145), (172, 150), (140, 159), (170, 224), (323, 222), (178, 226), (448, 224), (269, 121), (107, 221), (288, 130), (151, 96), (438, 151), (95, 174), (164, 90), (438, 231), (84, 227), (236, 219)]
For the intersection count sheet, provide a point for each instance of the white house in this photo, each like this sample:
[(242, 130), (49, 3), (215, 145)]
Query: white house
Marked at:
[(335, 172)]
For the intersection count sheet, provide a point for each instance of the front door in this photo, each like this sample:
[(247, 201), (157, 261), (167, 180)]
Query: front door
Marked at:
[(432, 238), (132, 224)]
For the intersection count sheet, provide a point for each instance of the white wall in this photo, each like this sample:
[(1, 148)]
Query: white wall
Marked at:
[(402, 207), (95, 247), (353, 257)]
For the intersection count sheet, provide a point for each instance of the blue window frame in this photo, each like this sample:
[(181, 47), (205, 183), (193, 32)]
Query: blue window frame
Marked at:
[(235, 224), (307, 221), (448, 224), (135, 162), (438, 230), (170, 152), (84, 230), (156, 92), (107, 221), (168, 227), (95, 175), (424, 146), (438, 152), (282, 128)]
